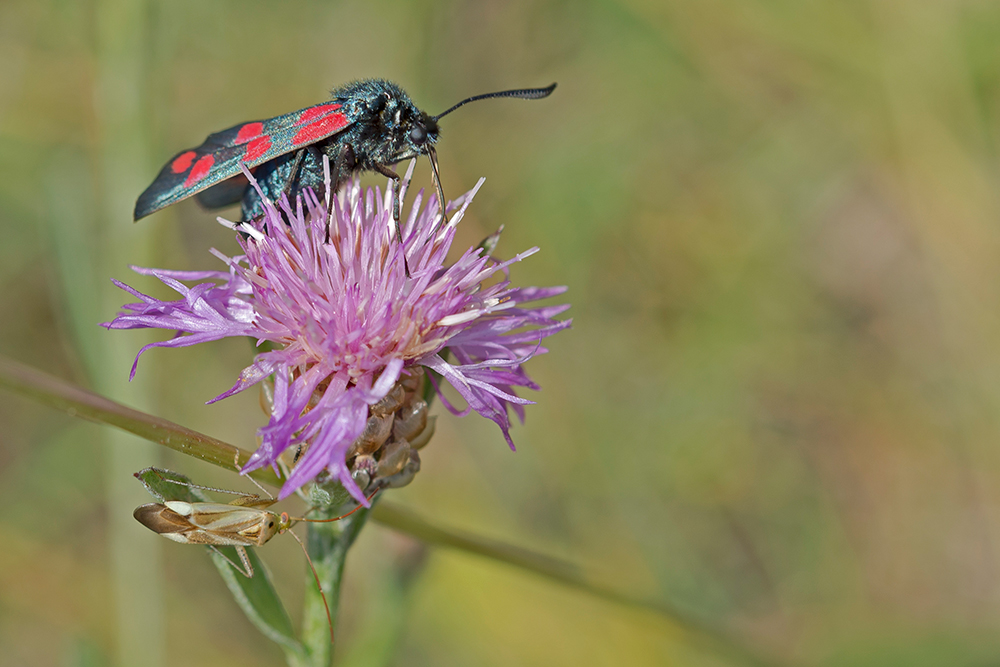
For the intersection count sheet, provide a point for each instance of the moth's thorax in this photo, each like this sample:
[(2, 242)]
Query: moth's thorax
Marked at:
[(387, 126)]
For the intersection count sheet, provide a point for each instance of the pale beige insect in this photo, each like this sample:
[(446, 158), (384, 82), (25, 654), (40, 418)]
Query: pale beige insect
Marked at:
[(245, 522)]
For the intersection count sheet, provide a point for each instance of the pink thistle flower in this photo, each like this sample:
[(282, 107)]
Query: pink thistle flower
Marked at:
[(332, 296)]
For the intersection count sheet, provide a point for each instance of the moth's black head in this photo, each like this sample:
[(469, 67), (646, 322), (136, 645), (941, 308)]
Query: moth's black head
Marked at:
[(407, 131), (424, 130)]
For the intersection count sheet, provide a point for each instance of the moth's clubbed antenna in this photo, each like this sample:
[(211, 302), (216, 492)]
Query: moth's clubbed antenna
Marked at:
[(522, 93)]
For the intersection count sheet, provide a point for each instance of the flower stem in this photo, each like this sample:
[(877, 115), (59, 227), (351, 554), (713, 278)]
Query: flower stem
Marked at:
[(327, 544), (79, 402)]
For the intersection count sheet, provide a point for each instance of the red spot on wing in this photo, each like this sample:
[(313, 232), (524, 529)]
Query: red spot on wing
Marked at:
[(248, 132), (316, 130), (200, 170), (257, 148), (312, 113), (182, 162)]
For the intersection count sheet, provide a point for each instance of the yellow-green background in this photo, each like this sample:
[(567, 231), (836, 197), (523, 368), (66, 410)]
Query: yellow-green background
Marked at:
[(777, 409)]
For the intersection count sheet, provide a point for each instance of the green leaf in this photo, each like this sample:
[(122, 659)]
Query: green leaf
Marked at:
[(167, 485), (259, 601)]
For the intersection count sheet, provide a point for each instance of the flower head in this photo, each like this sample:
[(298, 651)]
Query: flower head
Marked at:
[(346, 323)]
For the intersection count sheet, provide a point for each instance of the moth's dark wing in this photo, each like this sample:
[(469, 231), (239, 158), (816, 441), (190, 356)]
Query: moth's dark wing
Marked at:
[(253, 143), (226, 193)]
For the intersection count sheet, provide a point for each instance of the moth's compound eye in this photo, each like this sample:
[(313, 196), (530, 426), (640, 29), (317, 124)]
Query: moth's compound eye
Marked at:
[(418, 134)]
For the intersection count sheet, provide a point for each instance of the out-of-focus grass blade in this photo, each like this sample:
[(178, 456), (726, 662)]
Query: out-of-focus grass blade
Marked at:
[(79, 402)]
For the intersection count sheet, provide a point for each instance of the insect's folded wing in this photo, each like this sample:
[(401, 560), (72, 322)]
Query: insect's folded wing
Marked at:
[(188, 173), (226, 193), (220, 518), (161, 519), (202, 523), (220, 156)]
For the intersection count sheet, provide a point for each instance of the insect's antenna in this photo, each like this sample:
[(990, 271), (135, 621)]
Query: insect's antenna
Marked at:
[(336, 518), (236, 463), (199, 486), (326, 605), (257, 484), (523, 93), (433, 157)]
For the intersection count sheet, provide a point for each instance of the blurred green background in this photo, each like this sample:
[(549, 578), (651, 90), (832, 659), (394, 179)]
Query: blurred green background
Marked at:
[(778, 407)]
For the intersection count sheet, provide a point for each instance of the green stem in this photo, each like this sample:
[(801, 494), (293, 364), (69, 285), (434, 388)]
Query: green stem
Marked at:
[(78, 402), (327, 544), (697, 631)]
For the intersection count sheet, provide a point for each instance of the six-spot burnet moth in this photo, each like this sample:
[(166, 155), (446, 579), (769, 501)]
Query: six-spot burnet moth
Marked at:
[(368, 125)]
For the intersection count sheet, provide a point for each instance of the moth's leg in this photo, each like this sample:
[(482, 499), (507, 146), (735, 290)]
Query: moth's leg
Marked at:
[(293, 175), (342, 166), (396, 184), (257, 484), (316, 152), (247, 567), (246, 570), (315, 155)]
